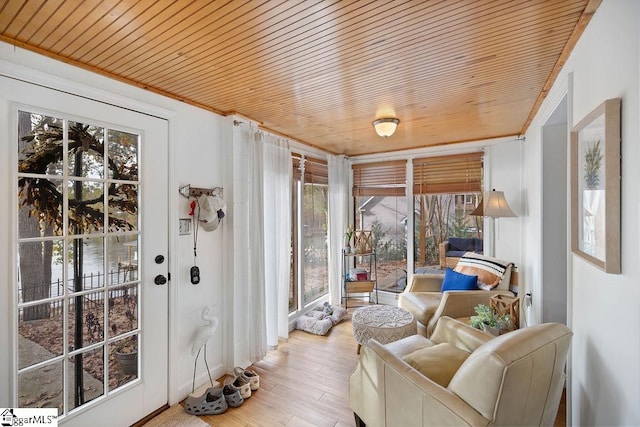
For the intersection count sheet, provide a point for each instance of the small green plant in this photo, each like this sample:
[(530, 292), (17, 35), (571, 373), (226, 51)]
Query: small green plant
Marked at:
[(485, 315), (348, 234)]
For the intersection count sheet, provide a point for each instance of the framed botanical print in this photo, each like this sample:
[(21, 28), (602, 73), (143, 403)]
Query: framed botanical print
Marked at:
[(595, 187)]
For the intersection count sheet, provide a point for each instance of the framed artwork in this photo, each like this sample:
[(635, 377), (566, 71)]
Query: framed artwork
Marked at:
[(595, 187)]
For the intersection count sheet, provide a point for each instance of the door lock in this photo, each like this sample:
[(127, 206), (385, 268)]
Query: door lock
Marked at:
[(160, 280)]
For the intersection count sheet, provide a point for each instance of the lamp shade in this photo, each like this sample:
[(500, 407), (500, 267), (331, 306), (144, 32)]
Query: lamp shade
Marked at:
[(478, 210), (495, 205), (385, 127)]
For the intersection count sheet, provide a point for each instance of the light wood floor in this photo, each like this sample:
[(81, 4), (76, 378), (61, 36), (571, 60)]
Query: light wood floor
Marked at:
[(305, 382)]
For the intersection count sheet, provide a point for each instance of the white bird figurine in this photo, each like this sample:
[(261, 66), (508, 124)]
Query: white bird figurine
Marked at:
[(206, 331), (204, 334)]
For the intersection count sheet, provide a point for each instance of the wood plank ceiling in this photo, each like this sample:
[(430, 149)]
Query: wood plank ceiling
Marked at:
[(321, 71)]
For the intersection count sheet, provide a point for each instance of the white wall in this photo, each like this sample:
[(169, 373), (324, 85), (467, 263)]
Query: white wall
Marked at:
[(504, 174), (605, 317), (199, 147)]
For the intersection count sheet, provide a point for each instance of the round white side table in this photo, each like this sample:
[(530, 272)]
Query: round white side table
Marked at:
[(384, 323)]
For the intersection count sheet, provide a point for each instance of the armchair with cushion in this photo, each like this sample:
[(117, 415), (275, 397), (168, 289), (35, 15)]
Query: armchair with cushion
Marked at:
[(424, 298), (461, 378)]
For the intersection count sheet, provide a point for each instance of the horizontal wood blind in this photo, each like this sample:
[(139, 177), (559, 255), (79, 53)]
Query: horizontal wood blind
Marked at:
[(461, 173), (316, 171), (380, 178)]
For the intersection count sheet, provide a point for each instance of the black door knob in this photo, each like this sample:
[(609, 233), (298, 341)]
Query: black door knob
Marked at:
[(160, 279)]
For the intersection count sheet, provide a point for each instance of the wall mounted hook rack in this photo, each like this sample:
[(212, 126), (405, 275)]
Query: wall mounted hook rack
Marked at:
[(189, 191)]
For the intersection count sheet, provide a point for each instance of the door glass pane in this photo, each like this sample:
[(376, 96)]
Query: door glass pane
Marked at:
[(86, 374), (39, 144), (40, 339), (86, 264), (123, 310), (316, 255), (123, 155), (123, 362), (37, 284), (87, 313), (86, 150), (42, 387), (40, 207), (123, 259), (86, 207), (123, 207)]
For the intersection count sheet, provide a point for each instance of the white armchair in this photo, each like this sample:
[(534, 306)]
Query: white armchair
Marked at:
[(423, 298), (515, 379)]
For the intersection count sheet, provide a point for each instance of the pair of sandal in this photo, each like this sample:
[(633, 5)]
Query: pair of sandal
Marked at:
[(216, 400)]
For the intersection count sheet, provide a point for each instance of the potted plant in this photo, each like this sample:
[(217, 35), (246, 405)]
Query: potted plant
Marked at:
[(127, 355), (348, 235), (487, 320)]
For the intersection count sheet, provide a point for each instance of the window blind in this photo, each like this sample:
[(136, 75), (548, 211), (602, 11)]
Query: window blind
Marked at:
[(460, 173), (380, 178), (316, 171)]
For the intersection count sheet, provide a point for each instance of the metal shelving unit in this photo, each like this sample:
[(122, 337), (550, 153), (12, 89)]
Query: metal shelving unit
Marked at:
[(359, 286)]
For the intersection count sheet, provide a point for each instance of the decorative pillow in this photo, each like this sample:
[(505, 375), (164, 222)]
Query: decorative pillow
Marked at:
[(438, 363), (454, 281), (491, 272)]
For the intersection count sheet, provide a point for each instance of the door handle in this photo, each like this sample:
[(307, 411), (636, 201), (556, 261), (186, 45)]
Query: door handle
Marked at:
[(160, 280)]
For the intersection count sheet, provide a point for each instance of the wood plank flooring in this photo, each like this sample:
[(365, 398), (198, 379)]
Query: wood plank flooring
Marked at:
[(305, 382)]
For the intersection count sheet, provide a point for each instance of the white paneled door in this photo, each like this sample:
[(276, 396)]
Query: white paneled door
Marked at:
[(88, 257)]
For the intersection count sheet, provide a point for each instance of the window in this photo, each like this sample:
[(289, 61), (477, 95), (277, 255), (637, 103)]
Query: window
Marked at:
[(310, 256), (379, 190), (446, 190)]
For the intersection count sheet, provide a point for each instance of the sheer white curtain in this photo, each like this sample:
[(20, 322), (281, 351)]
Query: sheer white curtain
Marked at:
[(249, 312), (338, 221), (277, 234)]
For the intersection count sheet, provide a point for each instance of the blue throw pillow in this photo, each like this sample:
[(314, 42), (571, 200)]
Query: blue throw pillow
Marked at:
[(454, 281)]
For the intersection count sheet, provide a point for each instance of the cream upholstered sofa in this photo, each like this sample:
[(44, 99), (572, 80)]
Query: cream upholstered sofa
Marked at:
[(423, 297), (515, 379)]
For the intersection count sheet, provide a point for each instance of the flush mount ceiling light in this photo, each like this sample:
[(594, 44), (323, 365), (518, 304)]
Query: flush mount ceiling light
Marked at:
[(385, 127)]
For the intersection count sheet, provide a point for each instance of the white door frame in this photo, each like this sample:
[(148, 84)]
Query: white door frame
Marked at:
[(35, 76)]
